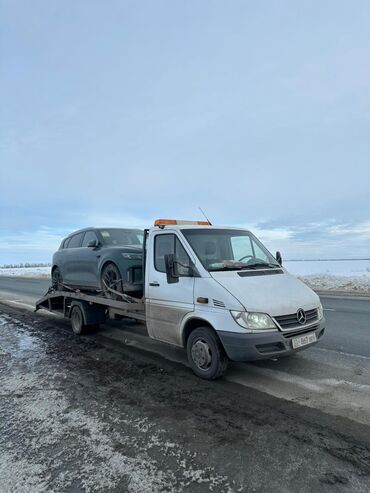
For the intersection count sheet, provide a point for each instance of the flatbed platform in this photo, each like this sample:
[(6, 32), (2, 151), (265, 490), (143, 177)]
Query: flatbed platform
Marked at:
[(94, 308)]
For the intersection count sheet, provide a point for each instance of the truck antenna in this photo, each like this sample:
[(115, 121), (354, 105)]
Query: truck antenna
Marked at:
[(201, 210)]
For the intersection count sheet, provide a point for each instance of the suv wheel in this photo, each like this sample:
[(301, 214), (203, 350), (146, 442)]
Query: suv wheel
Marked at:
[(111, 278), (56, 279)]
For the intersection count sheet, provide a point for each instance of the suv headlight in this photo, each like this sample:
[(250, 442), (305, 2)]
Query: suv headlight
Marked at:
[(253, 320), (132, 256), (320, 312)]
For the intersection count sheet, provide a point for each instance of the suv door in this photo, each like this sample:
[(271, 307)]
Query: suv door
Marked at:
[(168, 303), (71, 267), (88, 258)]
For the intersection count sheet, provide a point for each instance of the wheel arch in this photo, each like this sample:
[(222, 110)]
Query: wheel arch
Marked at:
[(192, 324), (105, 261)]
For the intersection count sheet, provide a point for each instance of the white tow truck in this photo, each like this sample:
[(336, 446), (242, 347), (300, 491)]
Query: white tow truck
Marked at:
[(216, 291)]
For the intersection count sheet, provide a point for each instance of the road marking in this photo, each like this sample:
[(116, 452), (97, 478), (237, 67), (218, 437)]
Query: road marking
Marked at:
[(342, 352), (16, 302), (329, 310), (243, 378)]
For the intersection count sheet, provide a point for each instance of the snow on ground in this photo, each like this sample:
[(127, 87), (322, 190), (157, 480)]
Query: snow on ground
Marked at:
[(332, 267), (335, 275), (26, 272), (348, 284)]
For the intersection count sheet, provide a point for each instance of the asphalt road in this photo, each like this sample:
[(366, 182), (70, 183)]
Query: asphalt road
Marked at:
[(88, 414), (348, 319), (128, 411), (24, 287)]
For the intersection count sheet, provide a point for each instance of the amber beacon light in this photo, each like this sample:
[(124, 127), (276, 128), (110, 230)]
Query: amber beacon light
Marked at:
[(172, 222)]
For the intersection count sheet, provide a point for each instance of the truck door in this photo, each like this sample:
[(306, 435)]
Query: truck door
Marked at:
[(167, 304)]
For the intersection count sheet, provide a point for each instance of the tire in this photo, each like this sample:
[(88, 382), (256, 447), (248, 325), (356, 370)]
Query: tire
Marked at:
[(56, 279), (205, 353), (77, 321), (111, 277)]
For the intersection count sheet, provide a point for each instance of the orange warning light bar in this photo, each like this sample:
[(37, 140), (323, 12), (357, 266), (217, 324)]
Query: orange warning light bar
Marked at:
[(167, 222)]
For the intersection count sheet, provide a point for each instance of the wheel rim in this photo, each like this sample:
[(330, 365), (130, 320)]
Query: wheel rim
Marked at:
[(201, 354), (76, 320), (110, 278), (57, 278)]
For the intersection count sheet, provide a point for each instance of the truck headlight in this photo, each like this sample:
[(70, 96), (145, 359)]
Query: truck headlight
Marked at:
[(320, 312), (253, 320)]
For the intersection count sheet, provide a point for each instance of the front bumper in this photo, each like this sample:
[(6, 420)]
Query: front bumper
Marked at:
[(250, 347)]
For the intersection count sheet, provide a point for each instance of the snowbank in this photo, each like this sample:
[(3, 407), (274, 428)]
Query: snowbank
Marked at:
[(347, 284), (350, 276), (38, 272)]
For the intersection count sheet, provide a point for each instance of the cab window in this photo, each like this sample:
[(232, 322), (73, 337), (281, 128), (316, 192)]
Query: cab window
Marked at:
[(166, 244), (163, 245), (241, 247)]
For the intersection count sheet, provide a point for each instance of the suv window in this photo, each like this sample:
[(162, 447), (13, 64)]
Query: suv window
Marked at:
[(166, 244), (75, 240), (89, 235), (65, 242), (117, 236)]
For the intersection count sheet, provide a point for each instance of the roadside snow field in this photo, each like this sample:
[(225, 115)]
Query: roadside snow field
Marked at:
[(352, 276), (26, 272), (351, 268), (328, 282)]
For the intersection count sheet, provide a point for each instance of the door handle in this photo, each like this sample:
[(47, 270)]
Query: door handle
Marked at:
[(154, 283)]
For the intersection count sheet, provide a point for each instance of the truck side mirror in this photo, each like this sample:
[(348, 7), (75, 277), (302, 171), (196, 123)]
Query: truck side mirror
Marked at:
[(279, 258), (170, 264)]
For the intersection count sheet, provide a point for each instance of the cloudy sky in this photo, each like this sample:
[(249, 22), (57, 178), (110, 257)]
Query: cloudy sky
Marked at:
[(119, 112)]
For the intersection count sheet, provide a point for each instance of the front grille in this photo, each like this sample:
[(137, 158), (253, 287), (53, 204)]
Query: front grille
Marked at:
[(302, 332), (287, 322)]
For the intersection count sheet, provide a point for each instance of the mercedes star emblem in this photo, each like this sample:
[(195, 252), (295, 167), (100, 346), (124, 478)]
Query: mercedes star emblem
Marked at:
[(301, 316)]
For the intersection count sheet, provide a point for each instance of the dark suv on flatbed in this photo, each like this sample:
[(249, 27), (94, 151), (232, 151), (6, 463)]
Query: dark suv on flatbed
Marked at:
[(106, 259)]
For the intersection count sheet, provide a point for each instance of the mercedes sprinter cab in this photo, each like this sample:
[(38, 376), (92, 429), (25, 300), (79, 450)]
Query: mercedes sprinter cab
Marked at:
[(221, 294)]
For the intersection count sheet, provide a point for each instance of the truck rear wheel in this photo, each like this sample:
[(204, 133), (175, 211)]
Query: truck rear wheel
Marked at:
[(205, 353), (77, 321)]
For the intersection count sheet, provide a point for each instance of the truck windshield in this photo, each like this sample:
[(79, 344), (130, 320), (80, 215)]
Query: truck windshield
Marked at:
[(229, 249), (122, 237)]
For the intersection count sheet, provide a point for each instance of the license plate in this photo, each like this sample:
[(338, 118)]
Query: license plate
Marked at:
[(304, 340)]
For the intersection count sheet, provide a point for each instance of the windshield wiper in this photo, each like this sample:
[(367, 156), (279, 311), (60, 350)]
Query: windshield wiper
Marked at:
[(245, 266), (260, 264)]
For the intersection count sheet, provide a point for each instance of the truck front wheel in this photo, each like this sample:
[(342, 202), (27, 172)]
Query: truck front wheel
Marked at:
[(206, 355)]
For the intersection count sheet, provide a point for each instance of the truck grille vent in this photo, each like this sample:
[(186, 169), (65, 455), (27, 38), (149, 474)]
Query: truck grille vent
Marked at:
[(297, 332), (291, 321), (219, 304)]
